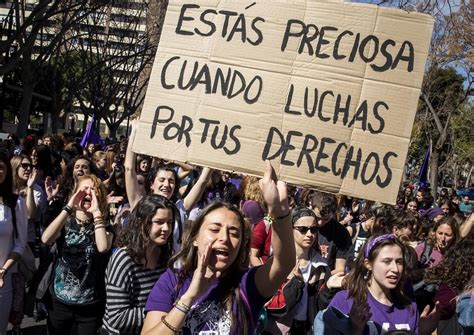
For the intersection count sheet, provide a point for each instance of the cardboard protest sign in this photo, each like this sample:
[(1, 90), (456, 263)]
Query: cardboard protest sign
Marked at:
[(325, 90)]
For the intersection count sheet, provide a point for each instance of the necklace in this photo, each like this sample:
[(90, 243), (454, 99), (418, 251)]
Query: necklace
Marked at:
[(83, 223)]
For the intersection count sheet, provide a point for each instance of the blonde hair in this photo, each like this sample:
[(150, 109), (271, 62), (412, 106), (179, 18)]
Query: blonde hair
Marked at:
[(110, 157), (98, 155), (250, 189), (18, 183)]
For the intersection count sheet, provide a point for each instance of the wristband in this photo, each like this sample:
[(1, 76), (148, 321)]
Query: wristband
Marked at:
[(170, 327), (181, 310), (97, 216), (272, 220), (182, 306), (68, 210)]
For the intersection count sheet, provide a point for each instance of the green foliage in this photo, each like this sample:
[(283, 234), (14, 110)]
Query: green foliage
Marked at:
[(463, 129), (445, 119)]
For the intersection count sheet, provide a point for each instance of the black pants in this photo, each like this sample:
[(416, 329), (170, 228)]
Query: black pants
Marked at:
[(66, 319)]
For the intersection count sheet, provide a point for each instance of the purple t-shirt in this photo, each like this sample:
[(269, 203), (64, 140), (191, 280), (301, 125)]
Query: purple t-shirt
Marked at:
[(384, 318), (208, 313)]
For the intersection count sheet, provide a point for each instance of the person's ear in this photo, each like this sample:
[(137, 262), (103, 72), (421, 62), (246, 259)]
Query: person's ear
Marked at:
[(367, 264)]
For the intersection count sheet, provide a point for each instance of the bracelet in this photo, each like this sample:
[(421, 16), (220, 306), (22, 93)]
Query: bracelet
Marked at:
[(99, 226), (68, 210), (98, 221), (170, 327), (272, 220), (181, 310), (182, 306)]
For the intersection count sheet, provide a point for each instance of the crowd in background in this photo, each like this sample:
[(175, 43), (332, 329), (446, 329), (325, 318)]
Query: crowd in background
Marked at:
[(100, 240)]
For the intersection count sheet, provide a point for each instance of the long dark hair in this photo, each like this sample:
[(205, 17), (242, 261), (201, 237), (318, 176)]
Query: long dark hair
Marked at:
[(44, 161), (135, 236), (357, 280), (230, 279), (66, 180), (456, 268), (6, 188)]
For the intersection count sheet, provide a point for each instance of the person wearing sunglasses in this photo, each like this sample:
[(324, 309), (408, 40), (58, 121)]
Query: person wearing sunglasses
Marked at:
[(26, 185), (302, 289)]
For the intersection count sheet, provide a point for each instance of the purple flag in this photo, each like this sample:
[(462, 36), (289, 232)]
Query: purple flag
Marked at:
[(90, 135), (423, 176)]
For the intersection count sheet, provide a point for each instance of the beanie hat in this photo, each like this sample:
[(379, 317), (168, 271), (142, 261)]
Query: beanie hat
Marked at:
[(431, 213), (253, 211)]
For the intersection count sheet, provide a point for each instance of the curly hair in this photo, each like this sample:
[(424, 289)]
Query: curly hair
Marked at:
[(452, 223), (456, 268), (135, 236), (250, 189)]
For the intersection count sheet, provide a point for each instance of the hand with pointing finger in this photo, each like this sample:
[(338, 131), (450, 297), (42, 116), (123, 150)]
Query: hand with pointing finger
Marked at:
[(274, 192)]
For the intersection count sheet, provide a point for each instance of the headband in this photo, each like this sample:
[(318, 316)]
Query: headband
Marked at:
[(376, 240), (301, 212)]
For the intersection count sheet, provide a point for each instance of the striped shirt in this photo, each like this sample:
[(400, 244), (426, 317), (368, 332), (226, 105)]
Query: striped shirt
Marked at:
[(127, 288)]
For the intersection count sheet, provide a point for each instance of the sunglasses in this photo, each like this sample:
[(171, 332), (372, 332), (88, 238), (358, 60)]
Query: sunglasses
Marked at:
[(304, 230), (26, 166)]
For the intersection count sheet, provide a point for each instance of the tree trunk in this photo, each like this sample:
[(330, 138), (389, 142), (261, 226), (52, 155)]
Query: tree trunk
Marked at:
[(469, 176), (434, 164), (26, 98), (456, 175), (54, 123), (113, 130), (2, 107)]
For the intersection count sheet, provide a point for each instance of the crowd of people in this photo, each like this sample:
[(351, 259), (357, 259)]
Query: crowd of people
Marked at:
[(99, 240)]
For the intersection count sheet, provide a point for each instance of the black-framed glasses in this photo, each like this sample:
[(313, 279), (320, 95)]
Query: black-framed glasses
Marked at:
[(26, 166), (304, 230)]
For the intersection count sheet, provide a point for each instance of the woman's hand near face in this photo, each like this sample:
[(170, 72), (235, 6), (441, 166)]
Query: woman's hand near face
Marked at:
[(76, 199), (200, 283), (52, 189), (94, 207), (32, 178)]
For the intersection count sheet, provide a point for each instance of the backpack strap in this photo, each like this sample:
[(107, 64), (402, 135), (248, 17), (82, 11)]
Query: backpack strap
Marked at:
[(425, 255)]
